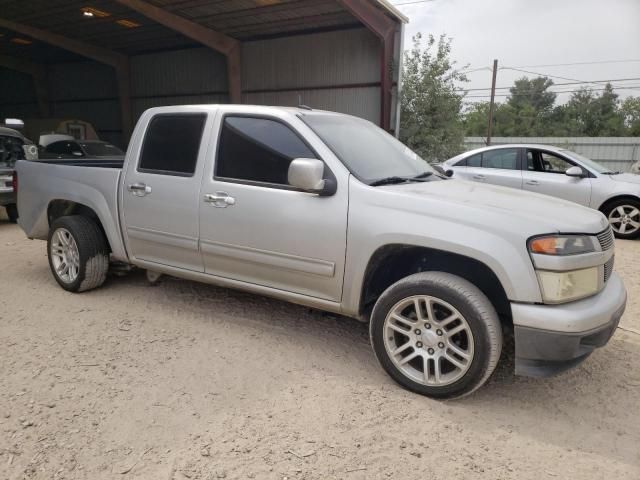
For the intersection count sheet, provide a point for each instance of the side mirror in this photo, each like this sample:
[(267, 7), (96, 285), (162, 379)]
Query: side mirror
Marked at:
[(307, 175), (574, 171)]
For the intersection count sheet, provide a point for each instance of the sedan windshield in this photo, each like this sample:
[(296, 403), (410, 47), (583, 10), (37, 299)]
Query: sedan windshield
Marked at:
[(593, 165), (98, 149), (370, 153)]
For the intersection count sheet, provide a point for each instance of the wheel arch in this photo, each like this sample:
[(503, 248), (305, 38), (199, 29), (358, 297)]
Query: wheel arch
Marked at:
[(61, 208), (617, 198), (392, 262)]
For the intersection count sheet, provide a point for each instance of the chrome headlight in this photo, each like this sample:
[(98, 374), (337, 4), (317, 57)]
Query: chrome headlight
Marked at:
[(562, 245), (568, 285), (560, 287)]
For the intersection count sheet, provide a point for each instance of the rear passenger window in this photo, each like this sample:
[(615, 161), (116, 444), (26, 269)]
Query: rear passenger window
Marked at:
[(258, 150), (506, 158), (171, 144)]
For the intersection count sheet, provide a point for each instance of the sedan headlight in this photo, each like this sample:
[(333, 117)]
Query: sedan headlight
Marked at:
[(561, 245), (560, 287)]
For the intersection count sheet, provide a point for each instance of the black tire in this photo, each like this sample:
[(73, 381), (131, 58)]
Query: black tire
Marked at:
[(12, 212), (470, 302), (627, 204), (93, 253)]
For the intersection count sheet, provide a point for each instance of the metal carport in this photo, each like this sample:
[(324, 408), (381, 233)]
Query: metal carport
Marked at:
[(105, 61)]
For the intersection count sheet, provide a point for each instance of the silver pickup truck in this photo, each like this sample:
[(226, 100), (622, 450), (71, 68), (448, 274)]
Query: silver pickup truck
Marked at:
[(329, 211)]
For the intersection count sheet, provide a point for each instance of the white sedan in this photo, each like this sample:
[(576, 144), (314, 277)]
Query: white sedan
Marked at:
[(557, 172)]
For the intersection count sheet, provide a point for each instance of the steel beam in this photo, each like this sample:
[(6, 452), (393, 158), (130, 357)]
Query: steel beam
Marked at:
[(117, 60), (220, 42), (384, 28), (38, 73)]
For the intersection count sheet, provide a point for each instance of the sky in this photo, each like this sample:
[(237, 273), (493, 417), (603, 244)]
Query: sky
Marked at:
[(532, 33)]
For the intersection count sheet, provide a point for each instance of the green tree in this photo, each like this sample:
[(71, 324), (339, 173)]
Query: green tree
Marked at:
[(592, 115), (630, 110), (431, 119)]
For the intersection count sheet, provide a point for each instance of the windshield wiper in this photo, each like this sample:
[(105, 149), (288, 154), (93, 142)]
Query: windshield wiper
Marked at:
[(389, 181), (611, 173), (422, 175)]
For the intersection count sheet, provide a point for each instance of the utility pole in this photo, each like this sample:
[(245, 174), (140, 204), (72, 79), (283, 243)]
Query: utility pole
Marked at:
[(492, 104)]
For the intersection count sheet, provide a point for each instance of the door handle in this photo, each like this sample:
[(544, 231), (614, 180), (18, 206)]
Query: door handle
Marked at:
[(219, 199), (532, 182), (479, 177), (139, 189)]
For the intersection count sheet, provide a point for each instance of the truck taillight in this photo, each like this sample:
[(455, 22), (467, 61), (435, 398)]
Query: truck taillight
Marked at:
[(14, 182)]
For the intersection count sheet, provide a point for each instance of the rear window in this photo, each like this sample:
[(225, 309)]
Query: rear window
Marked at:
[(171, 144)]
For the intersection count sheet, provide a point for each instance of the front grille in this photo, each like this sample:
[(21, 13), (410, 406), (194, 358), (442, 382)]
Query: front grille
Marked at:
[(606, 239), (608, 268)]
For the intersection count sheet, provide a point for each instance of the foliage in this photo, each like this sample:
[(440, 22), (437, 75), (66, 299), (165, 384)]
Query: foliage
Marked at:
[(431, 122), (530, 111)]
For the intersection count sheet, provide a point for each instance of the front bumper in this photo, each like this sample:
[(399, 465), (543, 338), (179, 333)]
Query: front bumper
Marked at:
[(553, 338)]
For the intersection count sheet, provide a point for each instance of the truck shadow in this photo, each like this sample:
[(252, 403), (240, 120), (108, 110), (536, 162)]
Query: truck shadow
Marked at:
[(591, 409)]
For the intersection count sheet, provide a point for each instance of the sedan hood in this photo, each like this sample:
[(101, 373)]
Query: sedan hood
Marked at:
[(626, 177), (499, 208)]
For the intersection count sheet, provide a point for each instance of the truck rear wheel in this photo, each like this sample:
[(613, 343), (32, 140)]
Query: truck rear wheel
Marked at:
[(12, 212), (436, 334), (78, 253)]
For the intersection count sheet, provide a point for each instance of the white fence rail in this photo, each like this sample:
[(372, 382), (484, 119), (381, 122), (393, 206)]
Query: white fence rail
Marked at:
[(616, 153)]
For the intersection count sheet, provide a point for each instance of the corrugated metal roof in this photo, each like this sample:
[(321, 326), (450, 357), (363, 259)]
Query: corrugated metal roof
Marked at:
[(241, 19)]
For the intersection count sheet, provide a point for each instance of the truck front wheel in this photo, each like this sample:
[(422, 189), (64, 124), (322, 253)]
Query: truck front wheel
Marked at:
[(436, 334), (78, 253)]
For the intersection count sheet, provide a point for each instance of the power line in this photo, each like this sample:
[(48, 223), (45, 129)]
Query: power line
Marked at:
[(544, 74), (529, 94), (559, 84), (578, 63), (412, 2)]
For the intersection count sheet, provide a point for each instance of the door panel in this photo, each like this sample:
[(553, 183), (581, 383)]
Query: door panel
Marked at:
[(266, 233), (470, 169), (502, 167), (160, 198), (545, 174)]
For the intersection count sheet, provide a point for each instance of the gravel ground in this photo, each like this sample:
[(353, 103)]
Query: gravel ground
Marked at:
[(184, 380)]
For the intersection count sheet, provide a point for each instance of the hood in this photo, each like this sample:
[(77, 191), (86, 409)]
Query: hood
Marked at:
[(625, 177), (500, 208)]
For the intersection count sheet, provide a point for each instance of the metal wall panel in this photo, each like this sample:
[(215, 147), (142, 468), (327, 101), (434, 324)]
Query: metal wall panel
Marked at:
[(190, 71), (616, 153), (86, 80), (142, 104), (362, 102), (17, 95), (320, 59), (284, 71)]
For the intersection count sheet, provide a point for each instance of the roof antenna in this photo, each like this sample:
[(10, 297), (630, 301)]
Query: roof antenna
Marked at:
[(305, 107)]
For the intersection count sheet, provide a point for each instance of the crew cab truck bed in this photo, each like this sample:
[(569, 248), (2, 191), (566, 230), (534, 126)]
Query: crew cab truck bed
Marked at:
[(329, 211)]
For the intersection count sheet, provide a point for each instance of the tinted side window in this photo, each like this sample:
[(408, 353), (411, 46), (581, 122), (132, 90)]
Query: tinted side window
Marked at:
[(475, 160), (171, 144), (258, 150), (506, 158)]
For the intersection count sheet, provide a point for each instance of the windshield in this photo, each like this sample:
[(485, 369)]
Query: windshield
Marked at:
[(101, 149), (10, 151), (593, 165), (369, 152)]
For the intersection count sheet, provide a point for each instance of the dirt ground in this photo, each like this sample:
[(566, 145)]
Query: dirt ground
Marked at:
[(185, 380)]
